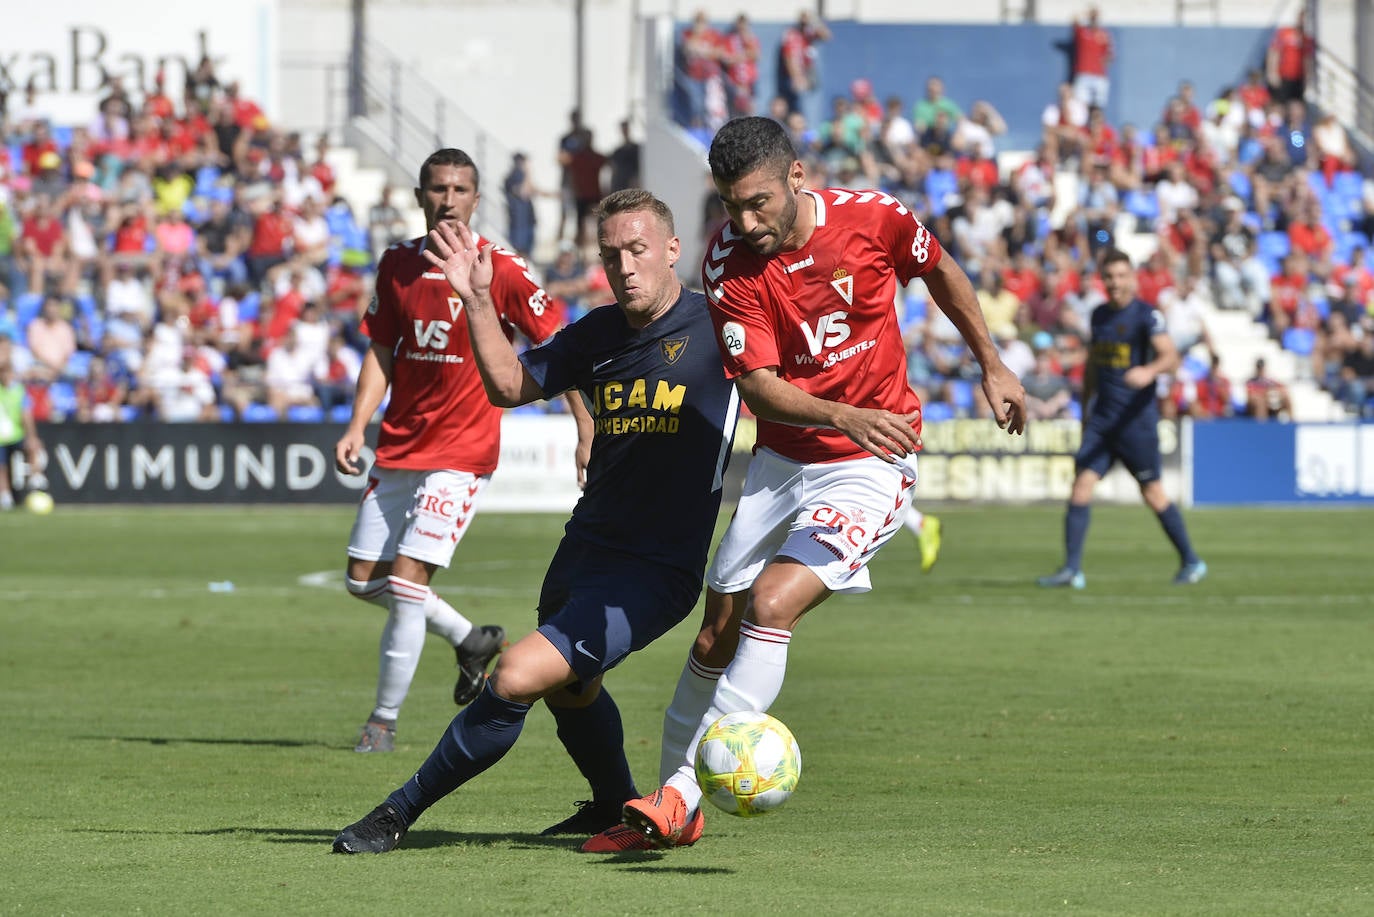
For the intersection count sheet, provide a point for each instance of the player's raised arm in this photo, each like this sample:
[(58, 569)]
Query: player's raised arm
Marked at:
[(469, 273), (950, 288)]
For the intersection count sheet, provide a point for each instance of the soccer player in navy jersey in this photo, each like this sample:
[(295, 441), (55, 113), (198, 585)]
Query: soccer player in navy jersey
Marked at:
[(1130, 350), (664, 417), (801, 285), (437, 447)]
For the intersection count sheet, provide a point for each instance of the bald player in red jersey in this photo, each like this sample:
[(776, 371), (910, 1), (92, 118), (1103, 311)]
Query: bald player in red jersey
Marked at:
[(801, 286), (438, 445)]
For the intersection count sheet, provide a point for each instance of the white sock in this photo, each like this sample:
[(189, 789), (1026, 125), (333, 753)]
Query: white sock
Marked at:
[(691, 699), (443, 619), (373, 591), (402, 640), (913, 520), (750, 682)]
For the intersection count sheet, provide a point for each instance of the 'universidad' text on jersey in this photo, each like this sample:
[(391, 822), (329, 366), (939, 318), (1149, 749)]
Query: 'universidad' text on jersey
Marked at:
[(823, 314), (665, 418), (439, 415), (1120, 340)]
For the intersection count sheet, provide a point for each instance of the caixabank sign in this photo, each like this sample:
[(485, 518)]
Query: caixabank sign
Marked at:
[(69, 52)]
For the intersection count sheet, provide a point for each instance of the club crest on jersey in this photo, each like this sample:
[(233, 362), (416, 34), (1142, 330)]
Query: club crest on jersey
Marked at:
[(673, 349), (844, 285)]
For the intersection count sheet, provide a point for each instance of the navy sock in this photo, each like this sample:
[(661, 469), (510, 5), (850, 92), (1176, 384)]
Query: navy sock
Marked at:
[(475, 740), (595, 738), (1075, 534), (1172, 521)]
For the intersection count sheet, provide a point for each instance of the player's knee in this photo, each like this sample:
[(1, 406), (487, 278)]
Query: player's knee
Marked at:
[(374, 592), (772, 609)]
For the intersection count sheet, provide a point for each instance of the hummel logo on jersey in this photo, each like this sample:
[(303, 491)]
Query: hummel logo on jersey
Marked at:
[(844, 285), (807, 262), (673, 350)]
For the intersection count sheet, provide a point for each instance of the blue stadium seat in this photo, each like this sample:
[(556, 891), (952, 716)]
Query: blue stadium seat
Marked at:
[(1240, 185), (936, 411), (305, 413), (940, 185), (258, 413), (206, 177), (1300, 341), (1272, 248), (78, 364), (1143, 204), (63, 398), (62, 136), (1349, 187), (961, 395), (26, 308), (1347, 242), (1075, 409), (341, 413), (128, 413), (250, 307), (226, 413), (1317, 182)]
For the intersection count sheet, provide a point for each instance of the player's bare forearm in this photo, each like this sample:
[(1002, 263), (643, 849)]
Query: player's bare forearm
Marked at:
[(773, 398), (507, 382), (950, 288), (586, 429), (373, 380)]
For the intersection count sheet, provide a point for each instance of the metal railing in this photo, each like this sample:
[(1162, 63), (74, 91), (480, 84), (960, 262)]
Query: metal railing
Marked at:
[(406, 117), (1339, 89)]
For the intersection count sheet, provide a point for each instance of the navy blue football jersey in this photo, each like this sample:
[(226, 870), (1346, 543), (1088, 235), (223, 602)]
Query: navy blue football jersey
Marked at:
[(1120, 340), (665, 420)]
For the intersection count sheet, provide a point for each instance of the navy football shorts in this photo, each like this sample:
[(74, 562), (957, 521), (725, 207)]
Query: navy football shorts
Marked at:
[(597, 606), (1134, 444)]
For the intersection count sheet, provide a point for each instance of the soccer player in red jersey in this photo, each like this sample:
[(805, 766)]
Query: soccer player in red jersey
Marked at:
[(801, 286), (438, 445)]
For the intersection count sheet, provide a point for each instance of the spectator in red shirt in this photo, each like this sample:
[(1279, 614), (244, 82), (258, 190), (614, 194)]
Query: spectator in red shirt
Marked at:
[(740, 55), (272, 232), (585, 170), (1254, 95), (1153, 277), (43, 249), (1092, 54), (34, 150), (1288, 62), (700, 52), (1308, 235)]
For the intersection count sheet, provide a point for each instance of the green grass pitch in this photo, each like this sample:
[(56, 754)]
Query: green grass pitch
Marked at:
[(971, 744)]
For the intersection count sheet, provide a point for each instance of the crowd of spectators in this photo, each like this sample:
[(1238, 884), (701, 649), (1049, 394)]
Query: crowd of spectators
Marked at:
[(178, 259), (187, 260), (1249, 202)]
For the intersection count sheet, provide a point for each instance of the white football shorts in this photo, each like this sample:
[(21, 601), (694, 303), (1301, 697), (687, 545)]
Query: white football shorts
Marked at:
[(832, 517), (421, 514)]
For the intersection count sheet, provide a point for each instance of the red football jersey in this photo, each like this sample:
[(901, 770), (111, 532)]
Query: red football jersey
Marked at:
[(824, 314), (439, 415)]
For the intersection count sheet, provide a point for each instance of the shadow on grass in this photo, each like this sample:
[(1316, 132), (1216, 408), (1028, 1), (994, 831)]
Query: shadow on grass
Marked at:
[(192, 740)]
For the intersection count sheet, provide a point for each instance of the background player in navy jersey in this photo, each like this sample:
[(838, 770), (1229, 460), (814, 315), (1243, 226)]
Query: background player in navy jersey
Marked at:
[(1130, 350), (801, 286), (438, 445), (664, 416)]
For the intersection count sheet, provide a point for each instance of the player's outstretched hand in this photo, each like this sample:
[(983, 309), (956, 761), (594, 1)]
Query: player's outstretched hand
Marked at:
[(1007, 397), (881, 432), (455, 252), (346, 453)]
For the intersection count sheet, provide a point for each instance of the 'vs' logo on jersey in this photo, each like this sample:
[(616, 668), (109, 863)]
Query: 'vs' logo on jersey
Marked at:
[(831, 331), (432, 335)]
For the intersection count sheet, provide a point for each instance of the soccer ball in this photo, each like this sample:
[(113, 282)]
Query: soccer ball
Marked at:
[(38, 502), (748, 764)]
